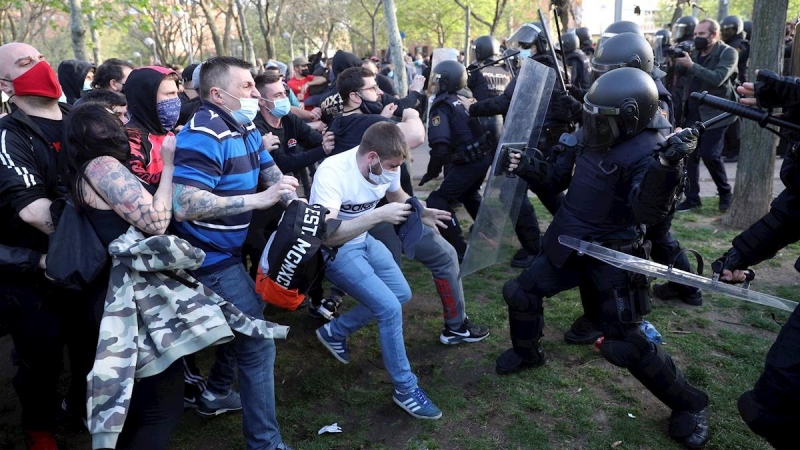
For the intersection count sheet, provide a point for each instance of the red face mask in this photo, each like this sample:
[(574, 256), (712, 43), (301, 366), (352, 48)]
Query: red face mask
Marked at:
[(39, 81)]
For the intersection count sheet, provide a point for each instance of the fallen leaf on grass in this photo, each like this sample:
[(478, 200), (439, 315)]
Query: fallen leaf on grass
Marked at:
[(616, 444)]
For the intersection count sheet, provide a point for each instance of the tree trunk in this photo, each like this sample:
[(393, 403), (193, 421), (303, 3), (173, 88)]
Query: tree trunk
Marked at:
[(753, 189), (226, 37), (722, 10), (77, 31), (677, 14), (395, 47), (94, 34), (212, 27), (248, 41)]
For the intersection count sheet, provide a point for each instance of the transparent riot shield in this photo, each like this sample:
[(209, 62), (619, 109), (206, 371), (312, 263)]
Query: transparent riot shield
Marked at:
[(493, 234), (645, 267)]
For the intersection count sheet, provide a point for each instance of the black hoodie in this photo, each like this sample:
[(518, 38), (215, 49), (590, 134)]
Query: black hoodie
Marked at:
[(71, 75), (145, 132)]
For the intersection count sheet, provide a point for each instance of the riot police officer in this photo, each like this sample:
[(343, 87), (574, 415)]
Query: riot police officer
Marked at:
[(577, 63), (623, 26), (632, 50), (457, 140), (666, 40), (587, 46), (488, 79), (618, 182), (732, 33)]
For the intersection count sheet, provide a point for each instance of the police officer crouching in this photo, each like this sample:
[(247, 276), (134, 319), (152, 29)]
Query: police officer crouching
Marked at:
[(625, 175), (459, 140)]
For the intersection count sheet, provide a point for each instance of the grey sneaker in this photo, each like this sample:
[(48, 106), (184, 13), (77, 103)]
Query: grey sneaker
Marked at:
[(220, 404)]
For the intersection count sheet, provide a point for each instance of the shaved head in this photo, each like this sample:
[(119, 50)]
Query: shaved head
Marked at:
[(17, 58)]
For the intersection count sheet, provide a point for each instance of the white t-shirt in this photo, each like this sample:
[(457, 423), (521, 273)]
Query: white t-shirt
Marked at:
[(338, 184)]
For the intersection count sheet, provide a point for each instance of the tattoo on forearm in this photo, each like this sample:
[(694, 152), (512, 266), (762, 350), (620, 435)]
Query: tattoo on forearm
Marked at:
[(194, 203), (270, 176), (125, 194)]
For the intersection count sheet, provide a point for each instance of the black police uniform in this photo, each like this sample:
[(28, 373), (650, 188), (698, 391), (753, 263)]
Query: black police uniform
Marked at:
[(609, 193), (770, 408), (459, 140), (579, 68), (489, 82)]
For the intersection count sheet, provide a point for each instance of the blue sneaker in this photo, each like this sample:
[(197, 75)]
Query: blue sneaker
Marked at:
[(417, 404), (338, 348)]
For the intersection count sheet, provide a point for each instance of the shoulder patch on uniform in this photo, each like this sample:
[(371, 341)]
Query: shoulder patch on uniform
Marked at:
[(436, 120)]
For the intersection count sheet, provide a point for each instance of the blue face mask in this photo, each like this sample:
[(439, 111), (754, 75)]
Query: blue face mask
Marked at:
[(168, 112), (524, 53), (281, 107)]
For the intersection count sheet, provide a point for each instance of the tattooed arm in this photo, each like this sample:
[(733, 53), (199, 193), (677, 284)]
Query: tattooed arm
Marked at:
[(272, 175), (37, 215), (192, 203), (124, 193)]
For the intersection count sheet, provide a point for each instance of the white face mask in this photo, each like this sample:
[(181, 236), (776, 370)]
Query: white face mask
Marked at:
[(247, 110), (385, 177)]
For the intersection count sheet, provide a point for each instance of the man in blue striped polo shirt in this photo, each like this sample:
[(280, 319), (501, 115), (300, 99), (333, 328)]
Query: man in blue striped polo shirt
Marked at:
[(220, 164)]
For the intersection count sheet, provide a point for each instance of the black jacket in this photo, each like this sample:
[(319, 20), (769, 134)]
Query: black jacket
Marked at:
[(28, 172), (295, 132)]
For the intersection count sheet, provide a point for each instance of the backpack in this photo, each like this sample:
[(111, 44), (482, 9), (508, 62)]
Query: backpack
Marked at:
[(291, 261)]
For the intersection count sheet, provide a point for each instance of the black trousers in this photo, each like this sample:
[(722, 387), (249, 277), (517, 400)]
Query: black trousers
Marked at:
[(709, 149), (770, 409), (667, 250), (42, 321), (155, 409)]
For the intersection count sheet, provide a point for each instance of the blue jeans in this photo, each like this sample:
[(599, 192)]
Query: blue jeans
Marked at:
[(369, 274), (254, 358)]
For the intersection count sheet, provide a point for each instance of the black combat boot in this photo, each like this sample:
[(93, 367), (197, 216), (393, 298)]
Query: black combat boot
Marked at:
[(511, 361), (690, 428)]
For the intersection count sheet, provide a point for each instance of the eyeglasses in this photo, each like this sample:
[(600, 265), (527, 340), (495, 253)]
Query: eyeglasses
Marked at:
[(374, 88)]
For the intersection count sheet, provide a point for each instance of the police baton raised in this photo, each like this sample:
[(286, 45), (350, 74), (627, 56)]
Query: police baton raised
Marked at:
[(494, 62), (763, 118), (552, 50)]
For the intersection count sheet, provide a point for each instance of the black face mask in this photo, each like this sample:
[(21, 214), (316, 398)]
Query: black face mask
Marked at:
[(700, 43), (368, 107), (304, 73)]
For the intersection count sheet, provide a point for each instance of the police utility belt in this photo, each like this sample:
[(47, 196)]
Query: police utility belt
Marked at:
[(471, 152)]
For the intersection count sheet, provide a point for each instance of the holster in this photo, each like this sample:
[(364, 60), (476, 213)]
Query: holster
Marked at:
[(633, 303), (471, 152)]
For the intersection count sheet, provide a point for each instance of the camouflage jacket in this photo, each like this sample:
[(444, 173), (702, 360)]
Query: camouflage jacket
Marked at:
[(154, 313)]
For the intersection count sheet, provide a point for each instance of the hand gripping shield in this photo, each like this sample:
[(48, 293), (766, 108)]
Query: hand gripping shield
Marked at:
[(653, 269), (493, 232)]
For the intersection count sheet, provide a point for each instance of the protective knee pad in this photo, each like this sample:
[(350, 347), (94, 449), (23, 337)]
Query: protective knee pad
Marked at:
[(627, 352), (520, 300)]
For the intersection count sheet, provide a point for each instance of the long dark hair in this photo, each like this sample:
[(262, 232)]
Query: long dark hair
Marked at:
[(90, 131)]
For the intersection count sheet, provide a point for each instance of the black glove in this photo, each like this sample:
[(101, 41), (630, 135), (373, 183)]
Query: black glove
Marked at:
[(773, 90), (678, 146), (435, 166), (730, 260)]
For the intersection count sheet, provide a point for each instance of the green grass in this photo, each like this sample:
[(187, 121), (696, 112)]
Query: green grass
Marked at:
[(576, 401)]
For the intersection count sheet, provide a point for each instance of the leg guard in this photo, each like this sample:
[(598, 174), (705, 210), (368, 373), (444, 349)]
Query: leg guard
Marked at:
[(525, 318), (527, 228)]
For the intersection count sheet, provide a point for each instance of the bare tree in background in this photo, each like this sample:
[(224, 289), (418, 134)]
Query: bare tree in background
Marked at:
[(77, 30), (752, 192)]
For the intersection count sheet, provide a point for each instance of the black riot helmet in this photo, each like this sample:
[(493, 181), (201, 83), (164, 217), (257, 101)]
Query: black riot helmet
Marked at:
[(683, 30), (666, 36), (450, 77), (583, 34), (730, 27), (529, 38), (485, 47), (623, 26), (618, 106), (623, 50), (748, 29), (571, 42)]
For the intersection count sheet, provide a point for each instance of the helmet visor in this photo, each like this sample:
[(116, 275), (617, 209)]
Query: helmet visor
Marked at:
[(679, 32), (600, 126)]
